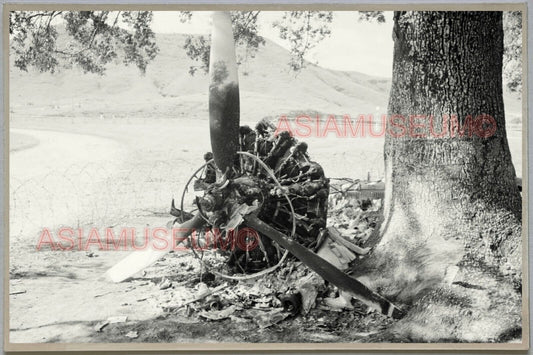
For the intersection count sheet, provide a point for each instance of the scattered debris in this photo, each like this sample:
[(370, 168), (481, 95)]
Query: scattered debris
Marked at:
[(308, 288), (17, 292), (117, 319), (269, 318), (214, 302), (164, 284), (203, 291), (218, 315), (101, 325), (292, 290), (292, 303), (343, 301), (336, 254), (132, 335), (103, 294), (334, 234)]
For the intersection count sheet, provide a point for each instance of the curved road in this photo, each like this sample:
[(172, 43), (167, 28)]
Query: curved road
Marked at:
[(52, 181)]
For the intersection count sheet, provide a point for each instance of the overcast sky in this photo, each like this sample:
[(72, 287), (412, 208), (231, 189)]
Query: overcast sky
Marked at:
[(361, 46)]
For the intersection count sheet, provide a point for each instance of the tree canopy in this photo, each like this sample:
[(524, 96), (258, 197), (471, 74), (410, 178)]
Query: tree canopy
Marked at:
[(95, 38)]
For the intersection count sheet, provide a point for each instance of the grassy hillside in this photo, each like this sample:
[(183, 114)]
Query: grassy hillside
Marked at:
[(167, 90), (268, 88)]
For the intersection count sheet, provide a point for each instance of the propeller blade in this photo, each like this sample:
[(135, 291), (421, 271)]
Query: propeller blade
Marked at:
[(141, 259), (224, 108), (325, 269)]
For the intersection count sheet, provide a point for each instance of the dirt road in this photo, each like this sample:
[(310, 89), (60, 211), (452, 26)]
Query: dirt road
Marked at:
[(57, 295)]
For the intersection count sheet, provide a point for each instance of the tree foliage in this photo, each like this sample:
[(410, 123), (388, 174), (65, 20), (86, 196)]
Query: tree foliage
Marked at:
[(93, 39), (245, 33), (377, 16), (512, 54), (303, 30)]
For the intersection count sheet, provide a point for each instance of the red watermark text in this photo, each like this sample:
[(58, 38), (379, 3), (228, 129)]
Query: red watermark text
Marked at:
[(396, 126), (177, 239)]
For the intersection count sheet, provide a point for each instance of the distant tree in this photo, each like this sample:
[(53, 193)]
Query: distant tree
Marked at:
[(94, 39)]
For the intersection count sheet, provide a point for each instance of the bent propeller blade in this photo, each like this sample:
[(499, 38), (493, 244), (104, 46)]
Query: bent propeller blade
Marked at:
[(224, 110), (141, 259), (326, 270)]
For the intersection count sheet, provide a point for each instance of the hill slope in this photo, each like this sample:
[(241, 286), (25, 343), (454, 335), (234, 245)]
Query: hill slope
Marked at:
[(268, 88)]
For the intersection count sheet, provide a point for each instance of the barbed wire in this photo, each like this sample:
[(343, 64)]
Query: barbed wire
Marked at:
[(92, 194), (101, 194)]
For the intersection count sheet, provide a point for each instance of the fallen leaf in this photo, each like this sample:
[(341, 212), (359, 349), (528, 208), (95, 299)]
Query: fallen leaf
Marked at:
[(132, 335), (267, 319), (164, 284), (339, 303), (218, 315)]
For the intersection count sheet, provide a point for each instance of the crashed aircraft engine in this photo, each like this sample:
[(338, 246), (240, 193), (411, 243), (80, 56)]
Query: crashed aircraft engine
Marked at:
[(259, 180)]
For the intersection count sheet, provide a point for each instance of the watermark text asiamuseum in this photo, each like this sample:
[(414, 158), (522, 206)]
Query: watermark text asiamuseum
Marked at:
[(160, 238), (395, 126)]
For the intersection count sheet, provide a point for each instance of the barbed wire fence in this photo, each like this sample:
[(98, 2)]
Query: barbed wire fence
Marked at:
[(364, 165), (101, 195), (92, 194)]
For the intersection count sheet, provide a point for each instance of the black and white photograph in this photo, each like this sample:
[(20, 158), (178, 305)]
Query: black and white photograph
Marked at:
[(259, 177)]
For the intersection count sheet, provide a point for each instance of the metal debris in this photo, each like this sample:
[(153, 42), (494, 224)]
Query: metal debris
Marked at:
[(101, 325)]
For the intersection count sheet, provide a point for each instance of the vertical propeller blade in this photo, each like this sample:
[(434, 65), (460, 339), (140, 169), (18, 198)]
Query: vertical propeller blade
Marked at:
[(223, 93)]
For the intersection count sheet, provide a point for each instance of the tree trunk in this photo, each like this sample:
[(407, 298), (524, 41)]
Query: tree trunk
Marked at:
[(451, 201)]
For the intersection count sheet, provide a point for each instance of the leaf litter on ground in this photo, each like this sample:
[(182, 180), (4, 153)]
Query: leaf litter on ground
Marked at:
[(258, 300)]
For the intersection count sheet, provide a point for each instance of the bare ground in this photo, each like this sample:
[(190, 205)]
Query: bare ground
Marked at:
[(124, 177), (61, 296), (129, 145)]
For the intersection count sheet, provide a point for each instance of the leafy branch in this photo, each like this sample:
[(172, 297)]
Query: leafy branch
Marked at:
[(303, 30), (92, 39)]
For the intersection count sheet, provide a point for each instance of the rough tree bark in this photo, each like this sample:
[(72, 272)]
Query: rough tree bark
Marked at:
[(451, 202)]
